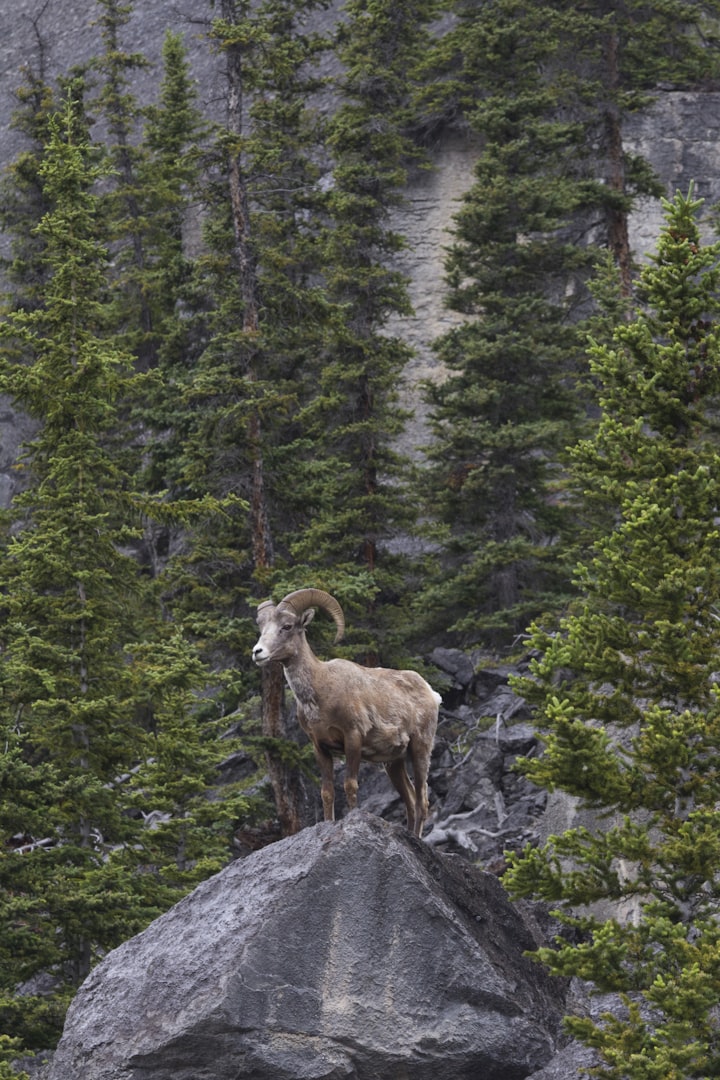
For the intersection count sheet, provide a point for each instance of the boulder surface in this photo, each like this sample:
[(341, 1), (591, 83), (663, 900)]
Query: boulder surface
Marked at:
[(350, 950)]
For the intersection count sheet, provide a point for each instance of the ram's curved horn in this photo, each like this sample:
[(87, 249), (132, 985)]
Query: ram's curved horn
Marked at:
[(302, 599)]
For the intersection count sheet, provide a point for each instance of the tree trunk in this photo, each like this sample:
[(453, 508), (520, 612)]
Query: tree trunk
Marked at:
[(286, 781), (617, 218), (119, 126)]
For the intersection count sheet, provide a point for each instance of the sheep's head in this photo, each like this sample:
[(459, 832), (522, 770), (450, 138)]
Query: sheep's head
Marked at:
[(283, 626)]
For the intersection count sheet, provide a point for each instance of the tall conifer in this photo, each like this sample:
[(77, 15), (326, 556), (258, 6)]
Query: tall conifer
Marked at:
[(626, 685), (359, 499), (95, 684), (168, 175), (168, 180), (548, 87), (126, 210), (262, 318), (622, 52), (66, 723), (22, 201), (507, 407)]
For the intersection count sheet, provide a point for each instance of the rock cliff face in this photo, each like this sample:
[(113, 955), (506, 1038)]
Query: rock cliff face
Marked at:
[(347, 951), (678, 136)]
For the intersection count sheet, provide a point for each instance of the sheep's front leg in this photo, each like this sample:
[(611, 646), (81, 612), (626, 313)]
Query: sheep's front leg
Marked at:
[(327, 782), (353, 752)]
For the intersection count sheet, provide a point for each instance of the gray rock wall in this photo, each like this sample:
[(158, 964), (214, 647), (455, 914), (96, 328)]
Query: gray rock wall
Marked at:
[(678, 135), (59, 33)]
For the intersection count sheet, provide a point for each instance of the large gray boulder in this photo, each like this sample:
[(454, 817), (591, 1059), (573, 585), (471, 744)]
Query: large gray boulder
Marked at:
[(348, 951)]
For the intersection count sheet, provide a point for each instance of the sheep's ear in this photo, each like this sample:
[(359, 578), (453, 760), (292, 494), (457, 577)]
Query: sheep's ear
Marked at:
[(307, 617)]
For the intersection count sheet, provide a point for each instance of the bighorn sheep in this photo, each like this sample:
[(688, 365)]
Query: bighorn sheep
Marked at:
[(366, 714)]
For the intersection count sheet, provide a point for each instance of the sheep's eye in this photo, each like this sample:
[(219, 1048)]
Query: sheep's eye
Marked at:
[(286, 628)]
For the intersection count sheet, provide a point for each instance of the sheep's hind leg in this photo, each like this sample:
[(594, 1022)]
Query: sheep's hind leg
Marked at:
[(420, 756), (398, 774)]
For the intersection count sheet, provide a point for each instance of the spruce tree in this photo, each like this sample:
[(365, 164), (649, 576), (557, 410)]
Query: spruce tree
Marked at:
[(21, 192), (255, 307), (168, 178), (508, 407), (353, 419), (258, 314), (65, 717), (548, 88), (622, 53), (626, 685), (119, 109), (98, 712)]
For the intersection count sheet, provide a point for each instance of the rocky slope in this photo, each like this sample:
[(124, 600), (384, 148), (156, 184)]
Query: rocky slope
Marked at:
[(352, 950)]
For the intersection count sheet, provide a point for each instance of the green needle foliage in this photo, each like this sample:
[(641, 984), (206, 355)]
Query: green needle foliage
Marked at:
[(507, 407), (547, 89), (167, 179), (256, 312), (168, 175), (98, 721), (358, 488), (627, 685), (256, 322), (22, 202), (69, 597), (127, 212)]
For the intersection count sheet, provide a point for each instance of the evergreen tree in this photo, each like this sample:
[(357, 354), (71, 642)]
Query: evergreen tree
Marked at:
[(129, 216), (255, 307), (623, 52), (547, 87), (154, 168), (168, 175), (10, 1050), (508, 406), (626, 686), (258, 315), (94, 683), (353, 420), (21, 192), (65, 722), (168, 178)]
